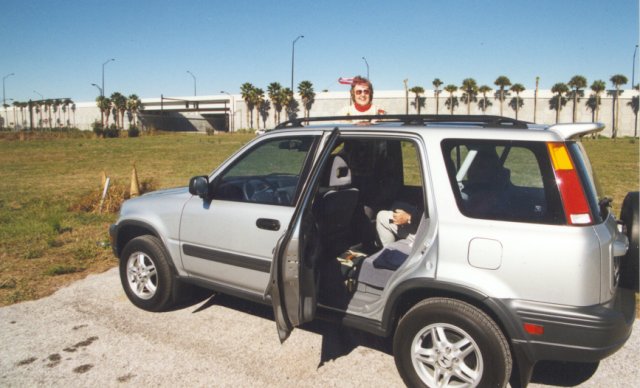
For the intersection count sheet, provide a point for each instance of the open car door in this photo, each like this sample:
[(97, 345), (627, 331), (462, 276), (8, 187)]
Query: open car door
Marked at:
[(293, 280)]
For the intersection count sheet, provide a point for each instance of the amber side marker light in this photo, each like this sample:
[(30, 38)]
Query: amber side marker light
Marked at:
[(574, 201)]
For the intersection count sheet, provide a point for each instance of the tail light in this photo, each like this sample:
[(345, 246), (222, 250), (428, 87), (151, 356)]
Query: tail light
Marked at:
[(574, 200)]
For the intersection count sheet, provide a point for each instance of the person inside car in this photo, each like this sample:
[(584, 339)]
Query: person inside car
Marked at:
[(399, 223), (362, 99)]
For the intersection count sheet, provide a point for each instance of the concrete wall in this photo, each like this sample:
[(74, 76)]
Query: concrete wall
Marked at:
[(331, 103)]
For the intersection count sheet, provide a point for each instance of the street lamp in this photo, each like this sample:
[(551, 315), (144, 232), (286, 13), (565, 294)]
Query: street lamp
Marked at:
[(4, 98), (103, 65), (633, 71), (233, 111), (194, 82), (293, 51), (41, 96), (99, 89), (367, 63)]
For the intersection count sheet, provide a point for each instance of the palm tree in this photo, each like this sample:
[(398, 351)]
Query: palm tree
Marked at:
[(38, 109), (418, 90), (452, 101), (21, 106), (57, 104), (246, 90), (502, 82), (287, 101), (634, 106), (273, 90), (470, 90), (133, 107), (484, 102), (516, 102), (65, 104), (558, 101), (436, 84), (73, 109), (305, 89), (104, 104), (577, 83), (257, 96), (119, 103), (47, 108), (598, 86), (617, 80), (16, 105)]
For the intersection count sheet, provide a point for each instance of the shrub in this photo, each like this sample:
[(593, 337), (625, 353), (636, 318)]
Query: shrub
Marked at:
[(134, 131), (98, 129), (112, 132)]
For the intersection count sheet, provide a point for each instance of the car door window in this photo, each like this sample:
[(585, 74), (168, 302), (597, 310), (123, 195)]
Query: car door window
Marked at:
[(509, 181), (269, 173)]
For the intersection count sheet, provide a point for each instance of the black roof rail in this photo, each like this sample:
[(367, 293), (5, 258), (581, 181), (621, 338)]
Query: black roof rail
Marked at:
[(486, 121)]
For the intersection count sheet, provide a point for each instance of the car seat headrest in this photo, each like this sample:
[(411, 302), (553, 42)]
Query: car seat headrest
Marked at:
[(340, 173)]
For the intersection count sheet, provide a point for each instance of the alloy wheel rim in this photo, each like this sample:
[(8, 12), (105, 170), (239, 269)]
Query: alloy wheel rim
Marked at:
[(142, 275), (444, 355)]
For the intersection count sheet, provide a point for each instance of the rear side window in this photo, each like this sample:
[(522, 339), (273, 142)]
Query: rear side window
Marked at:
[(503, 180)]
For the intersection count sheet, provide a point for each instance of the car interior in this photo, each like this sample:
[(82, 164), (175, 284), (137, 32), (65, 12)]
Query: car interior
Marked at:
[(362, 177)]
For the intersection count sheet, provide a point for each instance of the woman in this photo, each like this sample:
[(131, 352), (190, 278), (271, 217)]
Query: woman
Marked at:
[(362, 99)]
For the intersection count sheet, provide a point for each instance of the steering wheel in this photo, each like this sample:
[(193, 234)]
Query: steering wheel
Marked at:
[(253, 187)]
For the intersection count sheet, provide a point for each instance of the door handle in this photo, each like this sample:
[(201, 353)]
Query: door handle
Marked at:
[(268, 224)]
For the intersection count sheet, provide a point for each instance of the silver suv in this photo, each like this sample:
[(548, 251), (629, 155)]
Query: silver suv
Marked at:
[(510, 257)]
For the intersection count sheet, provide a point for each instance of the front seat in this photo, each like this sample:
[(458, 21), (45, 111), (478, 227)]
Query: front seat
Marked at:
[(337, 206)]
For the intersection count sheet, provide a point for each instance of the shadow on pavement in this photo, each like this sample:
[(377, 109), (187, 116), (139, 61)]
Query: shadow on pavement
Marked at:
[(563, 374), (338, 341)]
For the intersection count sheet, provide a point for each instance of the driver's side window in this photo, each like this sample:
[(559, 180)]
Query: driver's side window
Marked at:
[(267, 173)]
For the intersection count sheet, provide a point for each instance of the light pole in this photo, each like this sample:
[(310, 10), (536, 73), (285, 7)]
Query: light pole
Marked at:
[(103, 65), (293, 51), (367, 63), (4, 98), (194, 82), (99, 89), (633, 71), (233, 111)]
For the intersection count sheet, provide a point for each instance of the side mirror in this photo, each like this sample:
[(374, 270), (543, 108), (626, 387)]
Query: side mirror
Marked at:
[(199, 185)]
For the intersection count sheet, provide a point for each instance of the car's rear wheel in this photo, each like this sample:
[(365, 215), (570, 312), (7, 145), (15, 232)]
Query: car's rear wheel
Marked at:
[(145, 274), (444, 342), (629, 266)]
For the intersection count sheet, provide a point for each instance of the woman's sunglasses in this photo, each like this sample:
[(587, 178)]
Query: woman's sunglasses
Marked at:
[(362, 91)]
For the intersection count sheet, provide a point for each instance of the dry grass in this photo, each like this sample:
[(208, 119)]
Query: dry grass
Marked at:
[(50, 188)]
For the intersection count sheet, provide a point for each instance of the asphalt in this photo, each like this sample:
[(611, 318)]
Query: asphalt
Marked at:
[(89, 333)]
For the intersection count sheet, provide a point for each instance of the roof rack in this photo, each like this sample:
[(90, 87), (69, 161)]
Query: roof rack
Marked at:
[(486, 121)]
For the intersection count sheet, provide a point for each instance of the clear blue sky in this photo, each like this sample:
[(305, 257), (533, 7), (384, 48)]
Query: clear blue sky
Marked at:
[(57, 48)]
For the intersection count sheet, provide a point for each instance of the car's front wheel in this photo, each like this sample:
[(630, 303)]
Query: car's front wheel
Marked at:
[(443, 342), (145, 274)]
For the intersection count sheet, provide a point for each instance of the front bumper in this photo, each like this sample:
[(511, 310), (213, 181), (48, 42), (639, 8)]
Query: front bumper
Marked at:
[(576, 334)]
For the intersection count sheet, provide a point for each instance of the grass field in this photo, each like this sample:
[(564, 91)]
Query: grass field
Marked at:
[(45, 242)]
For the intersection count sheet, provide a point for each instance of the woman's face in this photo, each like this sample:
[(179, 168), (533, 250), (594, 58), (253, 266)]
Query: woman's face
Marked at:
[(362, 94)]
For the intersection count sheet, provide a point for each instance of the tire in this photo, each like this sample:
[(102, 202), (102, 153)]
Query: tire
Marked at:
[(145, 274), (629, 268), (470, 350)]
